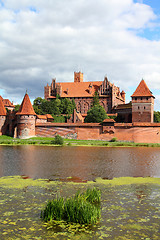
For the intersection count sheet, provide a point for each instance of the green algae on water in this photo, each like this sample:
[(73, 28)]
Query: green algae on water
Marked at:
[(130, 209)]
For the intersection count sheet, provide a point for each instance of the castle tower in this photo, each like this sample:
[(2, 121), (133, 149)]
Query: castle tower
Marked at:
[(47, 91), (2, 116), (142, 104), (26, 119), (78, 77), (123, 94)]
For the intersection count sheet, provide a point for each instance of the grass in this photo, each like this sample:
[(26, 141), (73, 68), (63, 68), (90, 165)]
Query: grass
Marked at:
[(91, 195), (80, 208), (6, 140)]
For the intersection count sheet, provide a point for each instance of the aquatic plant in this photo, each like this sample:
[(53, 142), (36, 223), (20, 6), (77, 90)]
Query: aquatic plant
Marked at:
[(53, 210), (92, 195), (77, 209)]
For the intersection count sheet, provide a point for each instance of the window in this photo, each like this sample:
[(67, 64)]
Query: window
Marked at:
[(141, 98), (138, 107), (144, 107), (146, 98)]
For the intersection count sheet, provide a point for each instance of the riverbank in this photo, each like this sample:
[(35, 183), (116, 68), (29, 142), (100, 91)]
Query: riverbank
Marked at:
[(129, 209), (6, 140)]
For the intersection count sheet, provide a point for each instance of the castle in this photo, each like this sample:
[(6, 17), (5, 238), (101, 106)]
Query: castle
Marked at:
[(140, 109), (82, 93), (140, 128)]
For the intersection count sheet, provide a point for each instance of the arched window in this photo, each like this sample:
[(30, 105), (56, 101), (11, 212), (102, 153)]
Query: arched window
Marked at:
[(86, 107)]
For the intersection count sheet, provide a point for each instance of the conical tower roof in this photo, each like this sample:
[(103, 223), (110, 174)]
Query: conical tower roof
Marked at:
[(2, 108), (26, 107), (142, 90)]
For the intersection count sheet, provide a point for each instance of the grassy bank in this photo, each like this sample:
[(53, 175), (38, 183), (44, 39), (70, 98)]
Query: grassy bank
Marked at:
[(6, 140)]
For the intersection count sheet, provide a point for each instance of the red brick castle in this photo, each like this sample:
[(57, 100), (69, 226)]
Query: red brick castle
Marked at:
[(26, 123), (82, 92)]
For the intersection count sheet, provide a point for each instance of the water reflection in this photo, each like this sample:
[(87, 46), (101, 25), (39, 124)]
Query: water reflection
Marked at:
[(83, 162)]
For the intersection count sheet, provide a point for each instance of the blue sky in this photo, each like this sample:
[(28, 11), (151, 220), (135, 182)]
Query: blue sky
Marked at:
[(40, 40)]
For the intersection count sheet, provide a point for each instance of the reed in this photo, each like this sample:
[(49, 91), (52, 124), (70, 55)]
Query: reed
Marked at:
[(54, 210), (81, 208), (92, 195)]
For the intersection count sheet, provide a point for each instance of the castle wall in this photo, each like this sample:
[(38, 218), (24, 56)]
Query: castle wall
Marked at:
[(2, 122), (138, 133)]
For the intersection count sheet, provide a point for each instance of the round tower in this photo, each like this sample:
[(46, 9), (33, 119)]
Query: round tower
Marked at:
[(26, 119), (2, 116)]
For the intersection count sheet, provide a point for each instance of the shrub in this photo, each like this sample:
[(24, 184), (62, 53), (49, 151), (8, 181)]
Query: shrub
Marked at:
[(77, 209), (58, 140), (114, 139)]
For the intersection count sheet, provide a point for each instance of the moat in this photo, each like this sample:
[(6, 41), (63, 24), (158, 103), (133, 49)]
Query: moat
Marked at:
[(86, 163)]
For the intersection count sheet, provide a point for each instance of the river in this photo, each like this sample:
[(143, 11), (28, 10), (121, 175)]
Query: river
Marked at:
[(85, 163)]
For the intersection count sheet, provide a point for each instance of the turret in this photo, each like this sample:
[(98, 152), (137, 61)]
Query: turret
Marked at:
[(26, 118), (123, 94), (78, 77), (142, 104), (2, 116)]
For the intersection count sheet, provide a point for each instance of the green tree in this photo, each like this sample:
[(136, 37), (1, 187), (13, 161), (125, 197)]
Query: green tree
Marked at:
[(96, 114), (95, 99), (37, 110), (37, 105), (17, 107), (156, 116), (56, 107), (38, 101)]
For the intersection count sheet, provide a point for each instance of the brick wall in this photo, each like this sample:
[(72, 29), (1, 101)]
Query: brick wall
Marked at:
[(25, 126), (139, 133), (2, 122)]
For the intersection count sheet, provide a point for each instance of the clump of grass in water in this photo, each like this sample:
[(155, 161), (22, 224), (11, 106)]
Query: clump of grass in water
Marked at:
[(92, 195), (80, 208)]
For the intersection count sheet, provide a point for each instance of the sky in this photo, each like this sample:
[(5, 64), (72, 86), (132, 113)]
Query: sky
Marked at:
[(41, 40)]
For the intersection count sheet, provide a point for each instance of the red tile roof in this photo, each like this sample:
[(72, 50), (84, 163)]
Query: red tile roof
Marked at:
[(42, 117), (7, 103), (48, 124), (2, 108), (109, 120), (50, 97), (124, 106), (142, 90), (49, 116), (79, 89), (26, 107)]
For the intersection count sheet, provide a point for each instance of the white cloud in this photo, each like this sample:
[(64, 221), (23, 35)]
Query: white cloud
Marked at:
[(44, 39)]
